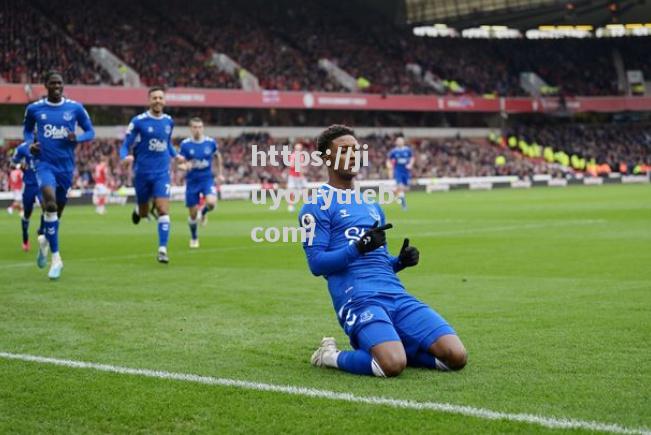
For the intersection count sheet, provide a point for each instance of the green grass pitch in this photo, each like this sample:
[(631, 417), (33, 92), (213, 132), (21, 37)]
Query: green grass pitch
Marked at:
[(550, 290)]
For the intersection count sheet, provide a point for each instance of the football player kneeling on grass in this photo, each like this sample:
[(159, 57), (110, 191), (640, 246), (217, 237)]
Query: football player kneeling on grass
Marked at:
[(388, 328)]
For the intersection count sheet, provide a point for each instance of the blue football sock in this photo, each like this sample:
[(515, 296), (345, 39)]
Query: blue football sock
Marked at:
[(163, 230), (428, 361), (193, 228), (25, 225), (51, 226), (358, 362)]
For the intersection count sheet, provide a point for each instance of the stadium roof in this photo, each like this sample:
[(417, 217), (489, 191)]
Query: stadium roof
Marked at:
[(526, 14)]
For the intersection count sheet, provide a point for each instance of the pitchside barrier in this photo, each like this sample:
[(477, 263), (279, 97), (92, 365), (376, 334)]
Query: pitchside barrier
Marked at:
[(429, 185)]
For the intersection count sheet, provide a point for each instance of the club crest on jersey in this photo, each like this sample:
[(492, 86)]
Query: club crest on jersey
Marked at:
[(168, 129), (372, 211), (43, 116), (206, 150), (365, 316), (67, 116), (150, 129)]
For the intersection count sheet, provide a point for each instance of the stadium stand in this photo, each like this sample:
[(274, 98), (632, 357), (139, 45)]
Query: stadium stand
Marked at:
[(611, 145), (168, 47)]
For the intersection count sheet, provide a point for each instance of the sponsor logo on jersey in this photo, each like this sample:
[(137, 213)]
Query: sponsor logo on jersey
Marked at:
[(157, 145), (200, 164), (52, 132)]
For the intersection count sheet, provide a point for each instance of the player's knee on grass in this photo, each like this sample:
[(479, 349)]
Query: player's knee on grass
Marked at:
[(391, 358), (451, 351)]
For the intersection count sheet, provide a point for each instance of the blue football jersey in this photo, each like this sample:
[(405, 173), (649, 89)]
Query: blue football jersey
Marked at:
[(53, 123), (149, 138), (400, 156), (200, 154), (333, 254), (24, 156)]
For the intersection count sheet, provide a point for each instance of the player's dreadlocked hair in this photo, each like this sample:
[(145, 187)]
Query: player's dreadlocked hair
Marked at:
[(331, 133), (51, 73)]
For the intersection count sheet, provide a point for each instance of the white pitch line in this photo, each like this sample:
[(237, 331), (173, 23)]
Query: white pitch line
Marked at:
[(470, 411)]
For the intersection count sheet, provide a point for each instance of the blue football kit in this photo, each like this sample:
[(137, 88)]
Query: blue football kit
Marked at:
[(199, 179), (401, 156), (55, 162), (149, 139), (31, 192), (371, 304)]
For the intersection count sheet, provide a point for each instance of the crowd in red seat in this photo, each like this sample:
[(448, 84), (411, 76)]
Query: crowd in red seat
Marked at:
[(172, 42), (610, 144)]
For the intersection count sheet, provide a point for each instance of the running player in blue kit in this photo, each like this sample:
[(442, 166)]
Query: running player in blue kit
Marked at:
[(55, 118), (400, 162), (23, 157), (148, 145), (388, 328), (199, 152)]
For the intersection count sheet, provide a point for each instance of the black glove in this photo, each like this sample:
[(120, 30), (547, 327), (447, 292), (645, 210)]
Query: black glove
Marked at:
[(408, 255), (35, 149), (373, 238)]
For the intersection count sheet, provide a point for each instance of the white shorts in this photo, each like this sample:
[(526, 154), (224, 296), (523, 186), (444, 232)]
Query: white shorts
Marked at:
[(18, 195), (297, 183)]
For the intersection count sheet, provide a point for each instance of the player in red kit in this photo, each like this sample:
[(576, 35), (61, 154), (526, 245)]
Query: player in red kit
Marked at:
[(101, 191), (295, 179), (16, 187)]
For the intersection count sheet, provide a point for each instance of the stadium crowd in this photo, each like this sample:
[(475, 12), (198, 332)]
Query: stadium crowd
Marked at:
[(609, 144), (618, 146), (172, 43)]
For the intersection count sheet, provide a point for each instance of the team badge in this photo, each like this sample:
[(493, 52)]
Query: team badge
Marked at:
[(206, 150), (365, 316), (372, 211), (67, 116), (150, 129), (168, 129), (43, 116)]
